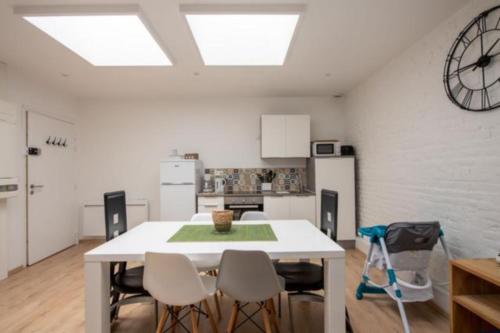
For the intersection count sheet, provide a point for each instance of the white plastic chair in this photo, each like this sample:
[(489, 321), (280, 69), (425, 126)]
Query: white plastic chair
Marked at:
[(199, 217), (250, 277), (205, 265), (173, 280), (254, 216)]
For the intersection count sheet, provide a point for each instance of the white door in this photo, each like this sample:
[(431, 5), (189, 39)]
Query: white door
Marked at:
[(177, 202), (273, 133), (52, 208), (277, 208), (298, 136)]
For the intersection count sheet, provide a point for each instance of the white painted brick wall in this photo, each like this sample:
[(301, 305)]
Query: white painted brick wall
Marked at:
[(421, 158)]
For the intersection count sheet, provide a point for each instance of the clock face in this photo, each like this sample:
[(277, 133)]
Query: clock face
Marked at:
[(472, 70)]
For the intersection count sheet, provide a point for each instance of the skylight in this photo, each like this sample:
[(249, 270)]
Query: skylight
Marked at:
[(104, 40), (243, 39)]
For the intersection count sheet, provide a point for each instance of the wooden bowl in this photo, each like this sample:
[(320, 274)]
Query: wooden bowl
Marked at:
[(223, 219)]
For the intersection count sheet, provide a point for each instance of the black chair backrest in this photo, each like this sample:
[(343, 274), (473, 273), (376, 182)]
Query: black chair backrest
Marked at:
[(329, 213), (115, 214), (411, 236)]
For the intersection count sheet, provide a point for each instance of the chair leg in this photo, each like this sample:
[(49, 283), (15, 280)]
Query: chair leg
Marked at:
[(194, 321), (265, 319), (163, 320), (217, 306), (402, 312), (290, 313), (156, 313), (279, 305), (175, 317), (233, 318), (210, 317), (272, 311)]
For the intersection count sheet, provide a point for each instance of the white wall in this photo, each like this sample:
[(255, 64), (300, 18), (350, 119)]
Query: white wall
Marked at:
[(123, 142), (28, 94), (420, 157)]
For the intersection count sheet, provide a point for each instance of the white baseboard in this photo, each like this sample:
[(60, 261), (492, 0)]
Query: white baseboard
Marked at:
[(440, 292)]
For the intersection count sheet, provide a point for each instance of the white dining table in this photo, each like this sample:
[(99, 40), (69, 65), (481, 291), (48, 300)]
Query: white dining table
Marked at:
[(296, 239)]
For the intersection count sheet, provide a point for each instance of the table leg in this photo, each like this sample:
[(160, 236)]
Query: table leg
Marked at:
[(97, 315), (334, 295)]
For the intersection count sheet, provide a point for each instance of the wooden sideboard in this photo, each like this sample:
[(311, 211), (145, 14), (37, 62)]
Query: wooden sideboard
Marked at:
[(475, 296)]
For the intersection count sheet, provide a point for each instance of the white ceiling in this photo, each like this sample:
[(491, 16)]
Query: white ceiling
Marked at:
[(337, 45)]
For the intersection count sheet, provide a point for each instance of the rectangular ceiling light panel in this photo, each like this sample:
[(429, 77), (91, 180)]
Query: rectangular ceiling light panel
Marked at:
[(243, 39), (104, 40)]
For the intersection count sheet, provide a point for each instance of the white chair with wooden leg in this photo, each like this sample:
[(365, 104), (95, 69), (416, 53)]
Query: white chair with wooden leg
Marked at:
[(173, 280), (208, 266), (250, 277), (254, 216)]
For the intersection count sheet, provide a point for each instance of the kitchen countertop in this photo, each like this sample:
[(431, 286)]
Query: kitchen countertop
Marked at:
[(253, 194)]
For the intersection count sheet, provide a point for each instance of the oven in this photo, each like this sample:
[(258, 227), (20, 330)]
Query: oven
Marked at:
[(241, 204)]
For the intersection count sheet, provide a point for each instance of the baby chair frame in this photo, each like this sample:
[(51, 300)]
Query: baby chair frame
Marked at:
[(367, 286)]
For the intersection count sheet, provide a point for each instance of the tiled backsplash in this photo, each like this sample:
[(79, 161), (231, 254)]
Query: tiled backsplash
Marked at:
[(247, 180)]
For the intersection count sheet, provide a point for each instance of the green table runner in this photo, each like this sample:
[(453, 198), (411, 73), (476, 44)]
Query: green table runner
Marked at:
[(238, 233)]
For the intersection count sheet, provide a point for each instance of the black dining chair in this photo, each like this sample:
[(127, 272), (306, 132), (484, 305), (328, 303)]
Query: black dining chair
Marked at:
[(302, 279), (126, 284)]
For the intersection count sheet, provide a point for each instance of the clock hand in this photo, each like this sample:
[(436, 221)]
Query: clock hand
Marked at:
[(492, 46), (487, 53), (460, 70)]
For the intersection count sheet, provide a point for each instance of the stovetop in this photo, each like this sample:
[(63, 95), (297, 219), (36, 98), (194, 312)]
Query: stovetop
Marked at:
[(243, 193)]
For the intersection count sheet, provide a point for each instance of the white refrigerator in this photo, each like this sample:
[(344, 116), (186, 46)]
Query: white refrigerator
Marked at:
[(180, 181)]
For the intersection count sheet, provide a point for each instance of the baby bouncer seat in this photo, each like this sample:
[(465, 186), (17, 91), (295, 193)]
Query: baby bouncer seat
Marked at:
[(403, 251)]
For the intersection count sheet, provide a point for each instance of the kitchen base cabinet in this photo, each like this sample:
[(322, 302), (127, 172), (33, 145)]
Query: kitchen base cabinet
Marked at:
[(208, 204), (277, 208), (303, 207), (291, 207)]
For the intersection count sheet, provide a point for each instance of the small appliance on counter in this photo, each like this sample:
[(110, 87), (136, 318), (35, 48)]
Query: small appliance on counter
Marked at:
[(208, 186), (219, 182), (325, 148), (347, 151)]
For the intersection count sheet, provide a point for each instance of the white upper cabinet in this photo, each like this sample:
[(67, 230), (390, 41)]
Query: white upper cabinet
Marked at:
[(298, 136), (273, 132), (285, 136)]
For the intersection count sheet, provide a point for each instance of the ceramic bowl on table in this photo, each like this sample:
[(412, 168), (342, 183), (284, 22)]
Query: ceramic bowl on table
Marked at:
[(223, 220)]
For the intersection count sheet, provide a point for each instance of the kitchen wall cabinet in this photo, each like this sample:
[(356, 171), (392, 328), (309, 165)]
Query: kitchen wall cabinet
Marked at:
[(285, 136), (273, 133), (291, 207), (208, 204)]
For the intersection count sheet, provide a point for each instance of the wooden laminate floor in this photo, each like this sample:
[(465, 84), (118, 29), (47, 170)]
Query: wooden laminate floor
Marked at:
[(49, 297)]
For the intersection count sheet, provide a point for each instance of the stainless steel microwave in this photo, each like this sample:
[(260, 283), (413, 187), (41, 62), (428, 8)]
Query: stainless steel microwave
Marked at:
[(325, 148)]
